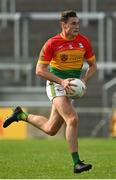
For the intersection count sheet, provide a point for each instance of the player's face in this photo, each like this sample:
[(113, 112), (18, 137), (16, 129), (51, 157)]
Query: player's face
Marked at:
[(71, 28)]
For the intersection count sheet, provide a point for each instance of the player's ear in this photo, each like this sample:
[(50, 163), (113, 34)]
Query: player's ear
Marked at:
[(63, 25)]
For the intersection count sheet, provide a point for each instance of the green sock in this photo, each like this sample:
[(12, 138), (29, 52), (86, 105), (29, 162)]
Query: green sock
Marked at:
[(75, 157), (22, 116)]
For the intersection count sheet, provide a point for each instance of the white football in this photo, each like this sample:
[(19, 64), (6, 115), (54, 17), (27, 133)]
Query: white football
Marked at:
[(78, 90)]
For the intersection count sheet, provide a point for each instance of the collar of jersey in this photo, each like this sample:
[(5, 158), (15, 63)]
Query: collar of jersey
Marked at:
[(67, 38)]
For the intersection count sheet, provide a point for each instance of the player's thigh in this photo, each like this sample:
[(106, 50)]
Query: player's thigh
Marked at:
[(65, 108), (55, 119)]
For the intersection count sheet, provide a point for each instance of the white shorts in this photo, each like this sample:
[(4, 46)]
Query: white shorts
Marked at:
[(53, 90)]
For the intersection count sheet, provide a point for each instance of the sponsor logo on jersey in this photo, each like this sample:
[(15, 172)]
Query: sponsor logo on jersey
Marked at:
[(64, 57), (70, 46), (59, 47), (81, 45)]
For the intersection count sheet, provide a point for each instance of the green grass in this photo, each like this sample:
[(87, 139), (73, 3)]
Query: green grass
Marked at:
[(50, 159)]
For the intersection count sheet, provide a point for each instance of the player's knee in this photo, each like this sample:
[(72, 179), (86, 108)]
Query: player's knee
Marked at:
[(52, 132), (73, 121)]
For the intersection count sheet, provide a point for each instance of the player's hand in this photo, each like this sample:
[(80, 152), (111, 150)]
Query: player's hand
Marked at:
[(85, 84), (66, 83), (84, 81)]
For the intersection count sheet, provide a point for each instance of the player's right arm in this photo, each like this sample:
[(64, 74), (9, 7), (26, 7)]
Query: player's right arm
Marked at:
[(46, 54), (42, 70)]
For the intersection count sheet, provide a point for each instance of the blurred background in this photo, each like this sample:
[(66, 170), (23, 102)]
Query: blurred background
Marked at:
[(25, 25)]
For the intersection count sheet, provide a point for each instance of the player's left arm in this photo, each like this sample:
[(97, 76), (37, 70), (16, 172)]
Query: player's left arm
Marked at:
[(90, 70), (90, 60)]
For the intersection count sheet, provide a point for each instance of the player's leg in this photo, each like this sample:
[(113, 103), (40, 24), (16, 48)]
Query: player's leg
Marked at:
[(66, 110), (55, 121), (50, 126)]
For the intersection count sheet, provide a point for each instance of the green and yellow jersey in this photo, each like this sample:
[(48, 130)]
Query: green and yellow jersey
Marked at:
[(66, 57)]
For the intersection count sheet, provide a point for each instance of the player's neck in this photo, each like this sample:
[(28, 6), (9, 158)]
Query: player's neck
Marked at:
[(67, 36)]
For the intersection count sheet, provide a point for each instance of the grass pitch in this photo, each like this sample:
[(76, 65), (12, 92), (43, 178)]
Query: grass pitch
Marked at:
[(50, 159)]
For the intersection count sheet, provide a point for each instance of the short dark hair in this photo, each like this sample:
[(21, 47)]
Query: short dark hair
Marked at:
[(65, 15)]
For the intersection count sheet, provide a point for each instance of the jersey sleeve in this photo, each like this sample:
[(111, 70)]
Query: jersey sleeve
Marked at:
[(46, 53), (89, 55)]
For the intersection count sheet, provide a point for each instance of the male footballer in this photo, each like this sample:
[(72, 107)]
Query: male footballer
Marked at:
[(64, 54)]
